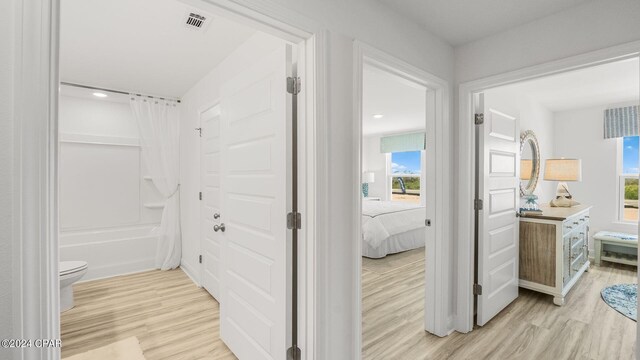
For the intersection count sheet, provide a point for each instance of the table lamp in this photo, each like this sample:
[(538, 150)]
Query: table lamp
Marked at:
[(563, 170), (526, 168), (368, 177)]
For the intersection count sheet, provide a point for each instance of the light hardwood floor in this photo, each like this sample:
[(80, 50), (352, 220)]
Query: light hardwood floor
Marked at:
[(530, 328), (171, 317)]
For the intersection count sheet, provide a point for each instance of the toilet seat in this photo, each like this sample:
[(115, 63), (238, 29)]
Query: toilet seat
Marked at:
[(70, 267)]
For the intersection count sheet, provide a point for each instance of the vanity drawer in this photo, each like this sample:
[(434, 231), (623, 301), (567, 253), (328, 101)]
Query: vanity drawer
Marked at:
[(570, 225), (578, 222)]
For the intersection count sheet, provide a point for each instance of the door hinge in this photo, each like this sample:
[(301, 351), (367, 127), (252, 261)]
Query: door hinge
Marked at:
[(294, 221), (200, 195), (200, 259), (478, 204), (427, 222), (199, 130), (294, 85), (477, 289), (294, 353), (479, 119)]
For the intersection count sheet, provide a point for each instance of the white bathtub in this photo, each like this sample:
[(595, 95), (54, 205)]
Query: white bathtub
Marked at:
[(110, 252)]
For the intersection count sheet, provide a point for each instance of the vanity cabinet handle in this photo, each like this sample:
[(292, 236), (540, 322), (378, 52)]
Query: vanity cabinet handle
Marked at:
[(576, 223)]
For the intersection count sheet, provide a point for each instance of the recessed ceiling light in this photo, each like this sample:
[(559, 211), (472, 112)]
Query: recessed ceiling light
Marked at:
[(99, 94), (378, 116)]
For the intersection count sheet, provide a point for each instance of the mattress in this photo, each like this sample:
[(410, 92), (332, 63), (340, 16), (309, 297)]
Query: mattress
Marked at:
[(390, 227)]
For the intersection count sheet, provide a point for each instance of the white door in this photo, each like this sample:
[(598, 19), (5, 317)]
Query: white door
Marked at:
[(255, 123), (498, 178), (210, 204)]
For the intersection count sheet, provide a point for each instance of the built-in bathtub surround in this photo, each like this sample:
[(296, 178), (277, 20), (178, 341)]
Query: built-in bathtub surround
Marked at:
[(107, 203)]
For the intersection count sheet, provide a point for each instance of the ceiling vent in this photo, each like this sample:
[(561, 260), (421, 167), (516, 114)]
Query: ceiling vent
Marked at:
[(195, 21)]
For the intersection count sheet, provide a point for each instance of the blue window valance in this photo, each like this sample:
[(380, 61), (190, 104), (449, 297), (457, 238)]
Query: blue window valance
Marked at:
[(621, 122), (404, 142)]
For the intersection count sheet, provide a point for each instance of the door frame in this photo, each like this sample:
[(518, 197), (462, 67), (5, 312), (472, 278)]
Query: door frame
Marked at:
[(466, 165), (437, 267), (201, 271), (35, 246)]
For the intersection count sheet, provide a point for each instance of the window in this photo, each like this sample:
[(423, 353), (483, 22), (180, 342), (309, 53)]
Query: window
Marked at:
[(629, 180), (405, 170)]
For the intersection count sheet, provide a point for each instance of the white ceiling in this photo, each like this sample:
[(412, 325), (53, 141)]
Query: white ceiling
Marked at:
[(594, 86), (401, 102), (141, 45), (463, 21)]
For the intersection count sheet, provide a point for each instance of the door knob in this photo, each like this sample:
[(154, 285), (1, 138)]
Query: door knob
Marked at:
[(216, 216), (218, 227)]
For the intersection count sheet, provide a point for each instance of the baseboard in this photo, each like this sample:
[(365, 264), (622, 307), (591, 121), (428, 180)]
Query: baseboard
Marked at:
[(191, 273)]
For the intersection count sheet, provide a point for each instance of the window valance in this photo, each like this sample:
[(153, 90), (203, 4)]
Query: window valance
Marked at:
[(621, 122), (403, 142)]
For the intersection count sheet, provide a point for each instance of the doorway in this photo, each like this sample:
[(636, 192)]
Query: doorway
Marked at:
[(257, 140), (547, 106), (375, 186)]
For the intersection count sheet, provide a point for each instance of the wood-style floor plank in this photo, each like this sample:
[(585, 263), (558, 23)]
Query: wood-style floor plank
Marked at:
[(174, 319), (530, 328), (171, 317)]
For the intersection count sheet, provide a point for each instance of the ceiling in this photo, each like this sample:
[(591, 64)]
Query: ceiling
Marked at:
[(141, 46), (402, 103), (463, 21), (594, 86)]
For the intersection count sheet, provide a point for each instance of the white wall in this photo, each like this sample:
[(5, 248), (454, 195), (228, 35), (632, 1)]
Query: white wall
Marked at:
[(104, 200), (590, 26), (6, 174), (580, 135), (376, 25), (200, 97), (533, 116), (374, 160)]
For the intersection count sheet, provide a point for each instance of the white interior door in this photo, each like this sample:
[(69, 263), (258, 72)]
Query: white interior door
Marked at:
[(498, 226), (255, 122), (210, 204)]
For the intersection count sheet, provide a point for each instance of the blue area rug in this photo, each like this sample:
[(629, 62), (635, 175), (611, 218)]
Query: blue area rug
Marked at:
[(623, 298)]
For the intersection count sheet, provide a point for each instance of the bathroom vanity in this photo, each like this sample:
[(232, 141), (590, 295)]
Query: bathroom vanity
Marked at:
[(554, 249)]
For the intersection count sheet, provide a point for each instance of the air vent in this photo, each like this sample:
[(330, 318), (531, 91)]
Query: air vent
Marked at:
[(195, 21)]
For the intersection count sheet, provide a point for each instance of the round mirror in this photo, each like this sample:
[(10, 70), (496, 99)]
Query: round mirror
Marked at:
[(529, 163)]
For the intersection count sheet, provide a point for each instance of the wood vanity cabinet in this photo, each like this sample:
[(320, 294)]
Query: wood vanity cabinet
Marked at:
[(554, 249)]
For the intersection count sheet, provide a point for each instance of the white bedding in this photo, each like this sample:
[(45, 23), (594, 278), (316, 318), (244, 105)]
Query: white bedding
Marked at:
[(390, 227)]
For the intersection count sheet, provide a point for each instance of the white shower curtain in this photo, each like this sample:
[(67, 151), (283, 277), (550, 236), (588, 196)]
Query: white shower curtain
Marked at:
[(158, 122)]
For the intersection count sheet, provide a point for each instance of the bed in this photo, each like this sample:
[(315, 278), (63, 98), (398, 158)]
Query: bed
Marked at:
[(390, 227)]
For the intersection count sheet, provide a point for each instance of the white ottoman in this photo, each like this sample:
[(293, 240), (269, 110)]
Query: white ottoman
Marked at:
[(616, 247)]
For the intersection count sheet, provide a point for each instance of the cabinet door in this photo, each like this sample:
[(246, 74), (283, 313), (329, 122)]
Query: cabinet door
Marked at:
[(577, 251), (566, 259), (585, 250)]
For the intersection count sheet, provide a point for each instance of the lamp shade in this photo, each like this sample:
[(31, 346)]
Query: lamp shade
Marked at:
[(368, 177), (563, 169), (526, 167)]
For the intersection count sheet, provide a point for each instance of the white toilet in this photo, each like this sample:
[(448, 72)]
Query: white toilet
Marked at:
[(70, 272)]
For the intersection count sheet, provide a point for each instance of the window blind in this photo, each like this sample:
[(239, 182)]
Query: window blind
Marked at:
[(403, 142), (621, 122)]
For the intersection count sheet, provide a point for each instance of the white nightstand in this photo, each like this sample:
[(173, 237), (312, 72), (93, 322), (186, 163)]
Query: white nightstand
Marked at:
[(369, 198)]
